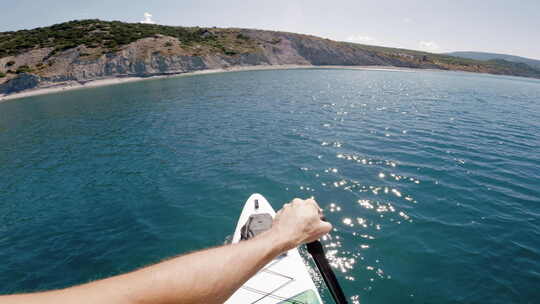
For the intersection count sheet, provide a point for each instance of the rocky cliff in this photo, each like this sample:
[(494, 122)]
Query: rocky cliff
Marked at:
[(53, 61)]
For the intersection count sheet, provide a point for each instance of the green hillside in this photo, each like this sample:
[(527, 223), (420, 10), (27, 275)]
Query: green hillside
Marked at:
[(493, 56), (97, 38), (94, 33)]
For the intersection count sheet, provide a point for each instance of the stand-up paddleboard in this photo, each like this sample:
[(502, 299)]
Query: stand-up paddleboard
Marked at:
[(286, 278)]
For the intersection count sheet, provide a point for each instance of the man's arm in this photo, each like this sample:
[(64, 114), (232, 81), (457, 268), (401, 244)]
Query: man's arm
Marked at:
[(209, 276)]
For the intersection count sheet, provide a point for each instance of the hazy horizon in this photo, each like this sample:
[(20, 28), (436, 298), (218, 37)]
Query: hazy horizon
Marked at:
[(495, 27)]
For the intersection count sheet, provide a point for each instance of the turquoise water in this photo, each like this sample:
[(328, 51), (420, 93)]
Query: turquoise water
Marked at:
[(432, 179)]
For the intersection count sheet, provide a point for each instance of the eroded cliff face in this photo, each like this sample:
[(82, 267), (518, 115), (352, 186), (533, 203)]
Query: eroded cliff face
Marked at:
[(163, 55)]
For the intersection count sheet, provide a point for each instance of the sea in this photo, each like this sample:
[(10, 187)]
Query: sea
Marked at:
[(431, 179)]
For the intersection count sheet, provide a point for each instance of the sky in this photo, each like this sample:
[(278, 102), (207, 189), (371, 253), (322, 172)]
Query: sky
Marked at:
[(498, 26)]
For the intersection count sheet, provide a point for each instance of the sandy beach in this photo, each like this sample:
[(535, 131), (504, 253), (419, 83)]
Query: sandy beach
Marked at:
[(74, 85)]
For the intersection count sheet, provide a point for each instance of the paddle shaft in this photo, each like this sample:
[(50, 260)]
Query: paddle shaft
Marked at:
[(317, 252)]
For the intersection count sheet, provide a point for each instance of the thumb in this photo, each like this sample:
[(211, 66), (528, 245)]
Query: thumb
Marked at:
[(325, 227)]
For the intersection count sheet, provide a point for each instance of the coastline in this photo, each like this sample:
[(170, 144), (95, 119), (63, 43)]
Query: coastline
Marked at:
[(74, 85)]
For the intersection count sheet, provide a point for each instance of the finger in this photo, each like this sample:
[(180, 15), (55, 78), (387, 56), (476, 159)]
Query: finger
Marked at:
[(322, 230), (325, 227), (296, 201), (313, 204), (312, 201)]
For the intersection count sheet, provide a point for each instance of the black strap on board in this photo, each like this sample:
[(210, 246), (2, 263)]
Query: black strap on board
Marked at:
[(317, 252)]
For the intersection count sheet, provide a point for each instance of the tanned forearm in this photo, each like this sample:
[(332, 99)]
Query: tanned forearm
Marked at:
[(209, 276)]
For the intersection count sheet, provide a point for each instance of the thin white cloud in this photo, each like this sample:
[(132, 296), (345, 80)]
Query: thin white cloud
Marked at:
[(148, 19), (407, 20), (361, 39), (365, 39), (430, 46)]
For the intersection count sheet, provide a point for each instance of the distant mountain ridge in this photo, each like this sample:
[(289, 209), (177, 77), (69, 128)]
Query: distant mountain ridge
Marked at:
[(492, 56), (81, 51)]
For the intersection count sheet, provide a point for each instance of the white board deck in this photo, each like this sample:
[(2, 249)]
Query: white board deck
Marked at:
[(284, 280)]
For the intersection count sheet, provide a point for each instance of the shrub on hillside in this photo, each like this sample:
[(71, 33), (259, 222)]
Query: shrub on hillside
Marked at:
[(242, 37), (24, 69)]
